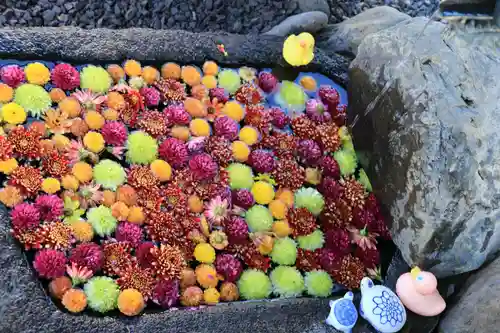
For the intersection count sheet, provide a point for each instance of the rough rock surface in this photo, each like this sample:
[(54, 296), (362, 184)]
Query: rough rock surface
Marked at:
[(306, 22), (104, 45), (235, 16), (432, 140), (477, 307), (346, 36)]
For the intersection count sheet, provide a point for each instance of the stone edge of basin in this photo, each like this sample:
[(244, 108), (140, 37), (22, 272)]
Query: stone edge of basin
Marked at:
[(23, 303), (74, 44)]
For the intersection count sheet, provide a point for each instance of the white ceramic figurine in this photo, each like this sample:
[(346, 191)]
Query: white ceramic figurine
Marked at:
[(381, 307), (343, 314)]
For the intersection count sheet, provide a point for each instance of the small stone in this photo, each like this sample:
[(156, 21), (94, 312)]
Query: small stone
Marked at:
[(69, 6), (305, 22), (48, 15), (314, 5), (208, 4)]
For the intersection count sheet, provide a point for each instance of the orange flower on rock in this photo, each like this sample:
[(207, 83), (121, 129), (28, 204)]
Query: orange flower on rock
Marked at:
[(57, 121), (214, 108)]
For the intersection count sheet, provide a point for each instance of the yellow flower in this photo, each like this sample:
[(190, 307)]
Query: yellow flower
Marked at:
[(8, 166), (13, 114), (70, 182), (37, 73), (94, 142), (199, 127), (299, 50), (61, 142), (249, 135), (82, 171), (162, 170), (94, 120), (204, 253), (51, 185), (240, 151), (6, 93), (263, 192)]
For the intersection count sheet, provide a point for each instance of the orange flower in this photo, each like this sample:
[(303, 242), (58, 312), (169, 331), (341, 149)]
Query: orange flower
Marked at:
[(191, 75), (136, 215), (74, 300), (57, 95), (10, 196), (57, 121), (120, 211), (108, 198), (132, 68), (171, 70)]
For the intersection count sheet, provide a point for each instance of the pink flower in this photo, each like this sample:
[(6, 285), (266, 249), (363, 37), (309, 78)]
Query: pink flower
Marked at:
[(88, 99), (25, 216), (203, 167), (196, 144), (177, 115), (129, 232), (114, 133), (78, 274), (217, 210), (174, 151), (50, 264), (76, 152), (87, 255), (226, 127), (12, 75), (230, 267), (65, 76), (151, 96), (117, 151), (363, 239), (50, 206), (90, 195)]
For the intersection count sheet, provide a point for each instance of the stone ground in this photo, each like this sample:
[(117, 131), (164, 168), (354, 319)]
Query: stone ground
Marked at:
[(235, 16)]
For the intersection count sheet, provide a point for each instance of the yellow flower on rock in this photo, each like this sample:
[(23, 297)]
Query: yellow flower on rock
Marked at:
[(37, 73), (299, 50), (13, 113)]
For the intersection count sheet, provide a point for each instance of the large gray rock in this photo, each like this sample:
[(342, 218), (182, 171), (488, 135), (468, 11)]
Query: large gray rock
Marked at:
[(314, 5), (424, 106), (346, 36), (477, 307), (306, 22)]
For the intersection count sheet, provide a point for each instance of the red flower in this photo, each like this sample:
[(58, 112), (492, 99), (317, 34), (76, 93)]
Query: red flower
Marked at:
[(50, 264), (65, 76)]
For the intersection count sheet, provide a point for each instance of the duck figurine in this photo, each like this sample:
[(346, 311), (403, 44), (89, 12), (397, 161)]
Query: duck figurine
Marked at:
[(343, 314), (381, 307), (418, 292)]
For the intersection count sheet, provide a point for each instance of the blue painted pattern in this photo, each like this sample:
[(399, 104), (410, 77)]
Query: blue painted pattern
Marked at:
[(388, 308), (345, 312)]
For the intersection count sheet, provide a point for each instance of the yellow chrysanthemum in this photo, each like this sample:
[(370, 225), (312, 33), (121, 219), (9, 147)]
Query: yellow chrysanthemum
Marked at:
[(299, 50), (8, 166), (61, 142), (110, 114), (211, 296), (210, 68), (204, 253), (94, 142), (234, 110), (6, 93), (249, 135), (199, 127), (162, 170), (13, 113), (136, 215), (150, 74), (82, 171), (70, 182), (132, 68), (240, 151), (37, 73), (82, 230), (209, 81), (94, 120), (51, 185)]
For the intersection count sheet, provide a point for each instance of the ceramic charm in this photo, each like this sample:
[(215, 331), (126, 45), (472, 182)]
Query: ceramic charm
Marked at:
[(418, 292), (343, 314), (381, 307)]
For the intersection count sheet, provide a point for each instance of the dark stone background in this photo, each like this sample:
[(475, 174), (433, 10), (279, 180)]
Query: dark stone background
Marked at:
[(235, 16)]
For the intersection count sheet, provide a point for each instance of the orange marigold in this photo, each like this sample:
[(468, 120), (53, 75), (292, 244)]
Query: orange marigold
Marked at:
[(110, 114), (136, 215), (10, 196), (195, 107), (171, 70), (127, 195), (117, 73), (6, 93), (210, 68), (132, 68), (150, 74), (57, 95), (191, 75), (116, 101), (130, 302), (82, 171), (120, 211), (109, 198), (71, 106), (74, 300), (94, 120)]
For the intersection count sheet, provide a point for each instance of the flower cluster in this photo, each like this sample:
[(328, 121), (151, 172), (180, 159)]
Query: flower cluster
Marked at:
[(182, 186)]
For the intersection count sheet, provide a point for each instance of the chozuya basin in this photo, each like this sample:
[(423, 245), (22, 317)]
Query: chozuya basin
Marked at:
[(418, 292)]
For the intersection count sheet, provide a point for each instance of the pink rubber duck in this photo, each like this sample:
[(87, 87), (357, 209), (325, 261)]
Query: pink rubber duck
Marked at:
[(417, 290)]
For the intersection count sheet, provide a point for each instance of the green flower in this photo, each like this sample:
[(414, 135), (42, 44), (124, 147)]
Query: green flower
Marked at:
[(102, 220), (284, 251), (141, 148), (229, 80), (318, 283), (310, 198), (347, 161), (72, 211), (96, 79), (254, 284), (287, 281), (33, 99), (259, 218), (363, 179), (109, 174), (102, 293), (240, 176), (313, 241)]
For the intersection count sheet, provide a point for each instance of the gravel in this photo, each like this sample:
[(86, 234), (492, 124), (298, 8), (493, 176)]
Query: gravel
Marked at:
[(235, 16)]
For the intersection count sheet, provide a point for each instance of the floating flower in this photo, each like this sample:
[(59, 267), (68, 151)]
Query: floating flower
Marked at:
[(59, 286), (102, 294), (37, 73), (109, 174), (25, 216), (137, 278), (102, 220), (168, 261), (299, 50), (51, 207), (78, 274), (6, 93), (174, 151), (74, 300), (95, 79), (287, 281), (50, 264), (191, 296), (65, 76), (254, 284), (141, 148), (217, 210), (33, 99), (284, 251), (229, 80), (151, 96), (13, 75), (10, 196), (203, 167), (166, 293), (318, 283)]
